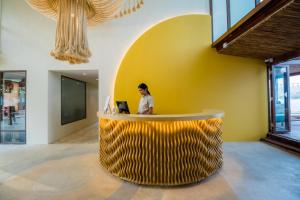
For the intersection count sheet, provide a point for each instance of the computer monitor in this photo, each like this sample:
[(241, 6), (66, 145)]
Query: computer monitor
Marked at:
[(107, 106), (123, 107)]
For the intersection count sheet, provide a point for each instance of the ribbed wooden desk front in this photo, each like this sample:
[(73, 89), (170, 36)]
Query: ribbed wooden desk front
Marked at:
[(161, 149)]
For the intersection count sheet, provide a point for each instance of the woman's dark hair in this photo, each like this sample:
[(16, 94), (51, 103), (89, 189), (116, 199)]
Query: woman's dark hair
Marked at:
[(144, 87)]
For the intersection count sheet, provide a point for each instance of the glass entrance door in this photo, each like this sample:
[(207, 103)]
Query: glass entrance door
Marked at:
[(13, 107), (280, 99)]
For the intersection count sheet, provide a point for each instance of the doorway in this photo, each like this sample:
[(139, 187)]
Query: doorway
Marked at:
[(295, 101), (13, 107), (284, 93), (73, 105)]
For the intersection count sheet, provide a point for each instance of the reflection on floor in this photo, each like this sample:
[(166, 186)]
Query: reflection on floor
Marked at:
[(88, 135), (71, 171)]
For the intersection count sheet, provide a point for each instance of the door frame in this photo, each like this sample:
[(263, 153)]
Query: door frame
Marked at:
[(271, 106), (25, 142), (271, 102)]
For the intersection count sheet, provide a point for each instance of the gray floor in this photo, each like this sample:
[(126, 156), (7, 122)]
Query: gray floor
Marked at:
[(70, 170)]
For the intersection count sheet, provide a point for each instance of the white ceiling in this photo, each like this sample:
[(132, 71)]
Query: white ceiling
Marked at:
[(89, 76)]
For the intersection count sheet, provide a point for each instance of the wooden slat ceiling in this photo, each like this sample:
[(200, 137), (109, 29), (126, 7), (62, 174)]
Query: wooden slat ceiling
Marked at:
[(273, 32)]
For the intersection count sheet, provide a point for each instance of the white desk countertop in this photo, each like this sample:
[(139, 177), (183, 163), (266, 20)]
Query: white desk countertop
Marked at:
[(209, 114)]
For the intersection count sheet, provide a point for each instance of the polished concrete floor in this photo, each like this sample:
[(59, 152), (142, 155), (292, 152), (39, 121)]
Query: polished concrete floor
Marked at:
[(69, 170)]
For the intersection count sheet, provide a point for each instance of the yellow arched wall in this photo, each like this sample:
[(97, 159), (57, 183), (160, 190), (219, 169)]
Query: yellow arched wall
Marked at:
[(185, 75)]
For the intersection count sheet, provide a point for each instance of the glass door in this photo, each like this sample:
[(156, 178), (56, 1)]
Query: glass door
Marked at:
[(280, 103), (13, 107)]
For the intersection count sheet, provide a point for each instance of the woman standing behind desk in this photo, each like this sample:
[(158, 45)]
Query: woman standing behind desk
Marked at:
[(146, 104)]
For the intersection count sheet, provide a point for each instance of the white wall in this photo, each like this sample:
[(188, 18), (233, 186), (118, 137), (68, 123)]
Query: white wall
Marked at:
[(55, 129), (27, 37)]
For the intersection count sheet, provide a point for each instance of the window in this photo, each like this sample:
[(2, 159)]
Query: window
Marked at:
[(219, 11), (13, 107), (238, 9), (226, 13)]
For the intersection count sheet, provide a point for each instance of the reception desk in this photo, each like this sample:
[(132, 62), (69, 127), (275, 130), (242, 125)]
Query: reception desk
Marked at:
[(161, 149)]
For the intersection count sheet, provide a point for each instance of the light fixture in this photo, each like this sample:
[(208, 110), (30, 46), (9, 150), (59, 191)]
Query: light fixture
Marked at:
[(73, 17), (269, 60), (225, 45)]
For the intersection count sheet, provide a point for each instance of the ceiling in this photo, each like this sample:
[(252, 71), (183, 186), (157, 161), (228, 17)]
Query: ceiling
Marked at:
[(269, 31), (89, 76)]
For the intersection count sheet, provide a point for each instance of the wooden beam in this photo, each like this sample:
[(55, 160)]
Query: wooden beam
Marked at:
[(287, 56)]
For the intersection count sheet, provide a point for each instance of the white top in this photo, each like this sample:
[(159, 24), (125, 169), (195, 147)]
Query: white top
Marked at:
[(206, 114), (146, 102)]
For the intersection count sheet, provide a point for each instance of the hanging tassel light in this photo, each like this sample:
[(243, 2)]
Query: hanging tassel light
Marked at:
[(73, 17)]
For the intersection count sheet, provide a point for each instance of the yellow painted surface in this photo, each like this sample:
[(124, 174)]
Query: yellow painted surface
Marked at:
[(185, 75)]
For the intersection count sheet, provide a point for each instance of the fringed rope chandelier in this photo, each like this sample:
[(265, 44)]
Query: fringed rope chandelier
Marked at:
[(73, 17)]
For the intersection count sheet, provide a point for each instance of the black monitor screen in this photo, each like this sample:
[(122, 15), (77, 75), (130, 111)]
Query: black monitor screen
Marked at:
[(123, 107), (73, 100)]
